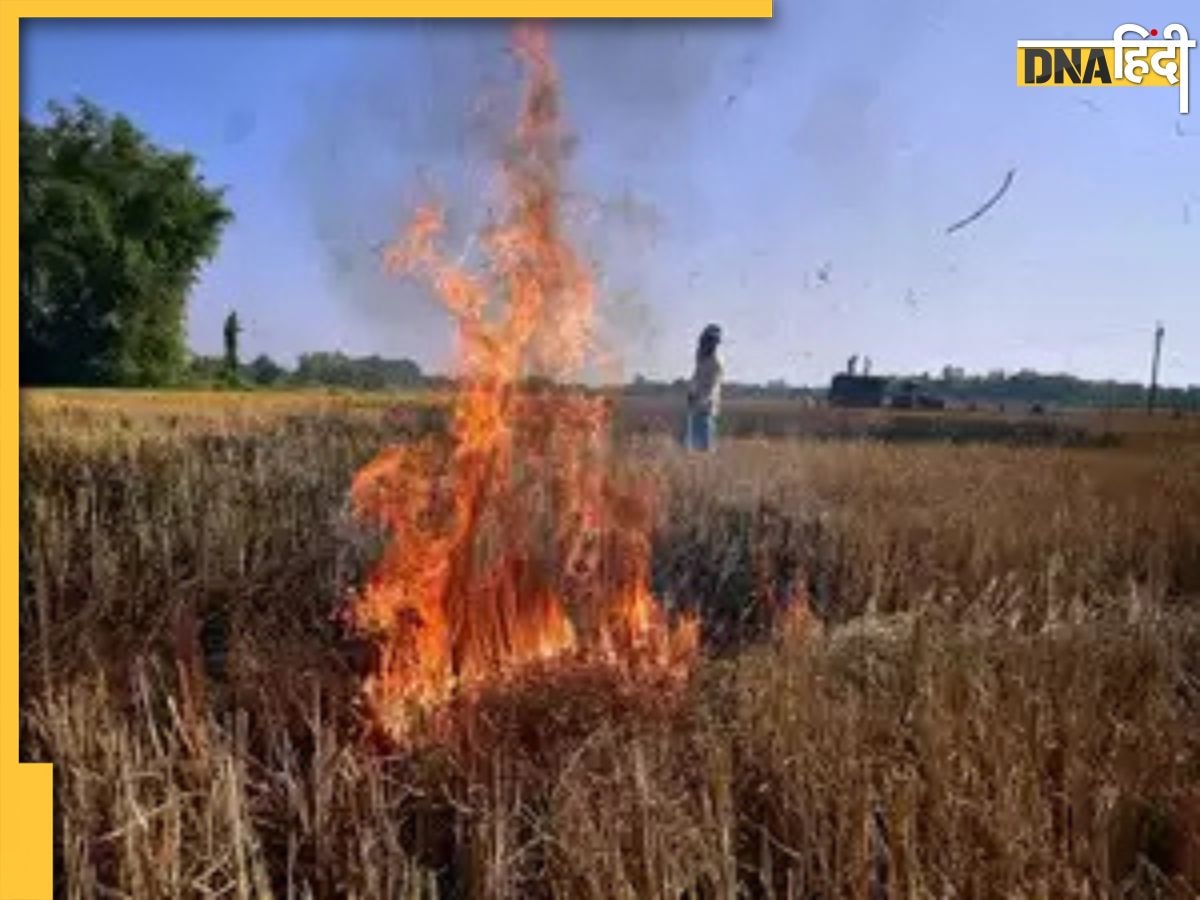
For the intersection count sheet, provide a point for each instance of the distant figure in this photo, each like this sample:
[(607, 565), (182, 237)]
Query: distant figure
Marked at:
[(852, 364), (704, 393)]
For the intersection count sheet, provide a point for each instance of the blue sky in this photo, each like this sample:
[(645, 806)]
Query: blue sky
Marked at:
[(719, 166)]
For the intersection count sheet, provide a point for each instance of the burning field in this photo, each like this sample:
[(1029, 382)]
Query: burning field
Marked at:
[(533, 655), (513, 541), (996, 694)]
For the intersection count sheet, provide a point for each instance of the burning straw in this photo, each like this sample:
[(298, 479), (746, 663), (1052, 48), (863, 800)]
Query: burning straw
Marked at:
[(518, 543)]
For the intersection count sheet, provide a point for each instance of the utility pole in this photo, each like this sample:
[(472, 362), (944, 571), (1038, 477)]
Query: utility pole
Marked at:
[(1158, 339)]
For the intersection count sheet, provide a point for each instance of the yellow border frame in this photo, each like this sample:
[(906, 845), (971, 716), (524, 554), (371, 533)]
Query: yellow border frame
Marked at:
[(396, 9), (26, 791), (26, 801)]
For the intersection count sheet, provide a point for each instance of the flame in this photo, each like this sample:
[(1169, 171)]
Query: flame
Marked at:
[(518, 543)]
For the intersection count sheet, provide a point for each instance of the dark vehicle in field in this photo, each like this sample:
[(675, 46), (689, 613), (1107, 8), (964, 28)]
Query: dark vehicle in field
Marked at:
[(861, 391), (909, 396)]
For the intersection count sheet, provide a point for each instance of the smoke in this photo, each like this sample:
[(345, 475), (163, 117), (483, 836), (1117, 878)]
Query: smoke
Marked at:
[(425, 113), (400, 125)]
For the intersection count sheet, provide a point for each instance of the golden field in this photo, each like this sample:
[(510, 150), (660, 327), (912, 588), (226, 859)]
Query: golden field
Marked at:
[(995, 692)]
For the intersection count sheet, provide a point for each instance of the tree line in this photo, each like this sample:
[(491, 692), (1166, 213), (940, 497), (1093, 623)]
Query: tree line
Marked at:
[(318, 369), (1026, 386), (957, 387), (113, 232)]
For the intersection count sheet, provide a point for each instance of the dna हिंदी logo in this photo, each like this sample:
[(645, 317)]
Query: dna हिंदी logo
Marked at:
[(1121, 62)]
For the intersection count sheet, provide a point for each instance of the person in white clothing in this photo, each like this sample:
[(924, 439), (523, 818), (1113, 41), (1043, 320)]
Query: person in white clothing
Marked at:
[(704, 393)]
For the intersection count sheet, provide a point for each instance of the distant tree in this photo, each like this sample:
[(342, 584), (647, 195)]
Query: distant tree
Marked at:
[(265, 371), (230, 331), (205, 370), (1028, 387), (113, 230), (364, 372)]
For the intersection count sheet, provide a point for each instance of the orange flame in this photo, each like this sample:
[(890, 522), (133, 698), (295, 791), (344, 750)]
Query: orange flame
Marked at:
[(520, 543)]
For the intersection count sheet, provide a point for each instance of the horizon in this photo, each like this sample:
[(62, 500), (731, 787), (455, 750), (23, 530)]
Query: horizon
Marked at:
[(633, 379), (731, 171)]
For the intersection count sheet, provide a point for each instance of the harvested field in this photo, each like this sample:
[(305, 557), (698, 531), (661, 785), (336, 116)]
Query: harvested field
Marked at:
[(987, 684)]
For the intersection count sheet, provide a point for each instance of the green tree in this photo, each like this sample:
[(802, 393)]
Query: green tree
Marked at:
[(265, 371), (113, 231), (364, 372), (205, 371)]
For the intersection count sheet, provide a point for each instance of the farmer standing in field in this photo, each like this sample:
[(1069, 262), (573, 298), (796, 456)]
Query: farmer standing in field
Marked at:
[(704, 393)]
